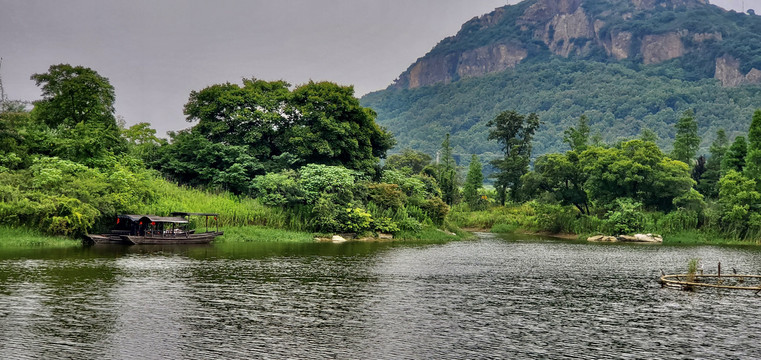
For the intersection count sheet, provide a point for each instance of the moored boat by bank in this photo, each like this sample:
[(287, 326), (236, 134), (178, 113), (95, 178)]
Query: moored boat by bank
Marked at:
[(157, 230)]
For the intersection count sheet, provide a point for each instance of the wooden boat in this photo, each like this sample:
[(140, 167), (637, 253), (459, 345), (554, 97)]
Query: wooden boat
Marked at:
[(157, 230)]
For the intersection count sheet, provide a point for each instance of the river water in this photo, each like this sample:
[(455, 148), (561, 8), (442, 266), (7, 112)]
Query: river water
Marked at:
[(494, 297)]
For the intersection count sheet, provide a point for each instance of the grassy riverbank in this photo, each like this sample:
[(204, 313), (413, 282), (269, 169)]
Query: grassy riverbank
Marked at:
[(677, 228), (26, 238)]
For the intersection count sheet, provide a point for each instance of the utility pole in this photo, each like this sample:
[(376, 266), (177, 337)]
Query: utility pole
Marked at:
[(2, 90)]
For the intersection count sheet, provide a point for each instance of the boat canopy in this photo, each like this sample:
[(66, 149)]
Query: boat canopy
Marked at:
[(163, 219), (153, 219), (192, 214)]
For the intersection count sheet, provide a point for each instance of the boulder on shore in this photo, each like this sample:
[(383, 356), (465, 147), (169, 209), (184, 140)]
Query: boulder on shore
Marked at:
[(646, 238), (642, 238), (649, 238), (602, 238)]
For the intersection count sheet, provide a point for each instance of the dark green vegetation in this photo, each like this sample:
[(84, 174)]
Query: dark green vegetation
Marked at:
[(631, 187), (304, 160), (573, 69), (619, 102)]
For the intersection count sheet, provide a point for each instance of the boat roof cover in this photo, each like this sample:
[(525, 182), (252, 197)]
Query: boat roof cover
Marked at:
[(177, 213), (165, 219), (154, 218)]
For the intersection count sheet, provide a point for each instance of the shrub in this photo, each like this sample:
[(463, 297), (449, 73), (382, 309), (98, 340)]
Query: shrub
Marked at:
[(386, 195), (627, 218), (277, 189), (385, 225), (355, 220), (436, 209), (317, 180)]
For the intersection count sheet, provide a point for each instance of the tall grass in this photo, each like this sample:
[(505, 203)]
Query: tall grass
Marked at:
[(233, 210), (18, 237), (262, 234)]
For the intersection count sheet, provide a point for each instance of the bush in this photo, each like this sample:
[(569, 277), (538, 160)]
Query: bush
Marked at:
[(627, 218), (355, 220), (436, 209), (386, 195), (317, 180), (277, 189), (385, 225)]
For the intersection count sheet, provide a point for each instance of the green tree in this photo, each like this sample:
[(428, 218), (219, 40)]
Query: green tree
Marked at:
[(753, 159), (648, 135), (192, 159), (687, 140), (578, 138), (638, 170), (316, 123), (330, 127), (447, 174), (79, 104), (409, 161), (734, 158), (514, 132), (561, 176), (473, 182), (142, 141), (739, 202), (708, 183)]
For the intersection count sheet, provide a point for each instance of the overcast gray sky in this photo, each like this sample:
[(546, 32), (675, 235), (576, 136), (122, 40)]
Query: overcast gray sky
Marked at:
[(155, 52)]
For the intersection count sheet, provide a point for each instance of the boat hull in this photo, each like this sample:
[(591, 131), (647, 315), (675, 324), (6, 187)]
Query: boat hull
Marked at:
[(202, 238), (104, 239)]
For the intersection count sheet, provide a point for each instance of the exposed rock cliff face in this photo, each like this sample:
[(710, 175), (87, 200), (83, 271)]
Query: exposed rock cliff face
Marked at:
[(488, 59), (563, 29), (568, 28), (728, 72), (659, 48)]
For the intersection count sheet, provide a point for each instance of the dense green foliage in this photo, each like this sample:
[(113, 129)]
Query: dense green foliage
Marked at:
[(619, 101), (78, 108), (686, 140), (513, 132), (260, 155), (474, 182), (263, 127), (631, 187)]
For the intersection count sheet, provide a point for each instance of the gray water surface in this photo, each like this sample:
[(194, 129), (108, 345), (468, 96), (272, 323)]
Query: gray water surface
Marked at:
[(495, 297)]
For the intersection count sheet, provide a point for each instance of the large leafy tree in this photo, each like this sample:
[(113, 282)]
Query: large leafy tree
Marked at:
[(514, 132), (562, 177), (276, 128), (330, 127), (635, 169), (193, 159), (78, 103), (252, 115)]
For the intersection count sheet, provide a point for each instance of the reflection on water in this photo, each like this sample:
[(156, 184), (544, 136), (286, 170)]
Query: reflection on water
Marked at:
[(490, 298)]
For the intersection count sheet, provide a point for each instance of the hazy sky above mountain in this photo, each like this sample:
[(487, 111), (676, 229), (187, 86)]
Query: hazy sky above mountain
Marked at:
[(155, 52)]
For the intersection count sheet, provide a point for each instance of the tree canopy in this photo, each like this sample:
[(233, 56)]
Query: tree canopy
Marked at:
[(78, 103), (514, 133), (260, 127)]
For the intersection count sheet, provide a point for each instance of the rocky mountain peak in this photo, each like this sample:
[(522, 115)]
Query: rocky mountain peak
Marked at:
[(598, 29)]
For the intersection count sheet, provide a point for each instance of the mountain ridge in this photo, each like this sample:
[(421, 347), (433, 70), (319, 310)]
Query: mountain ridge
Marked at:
[(467, 79), (645, 31)]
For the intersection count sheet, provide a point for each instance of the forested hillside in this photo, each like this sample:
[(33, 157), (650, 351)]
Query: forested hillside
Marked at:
[(627, 65)]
